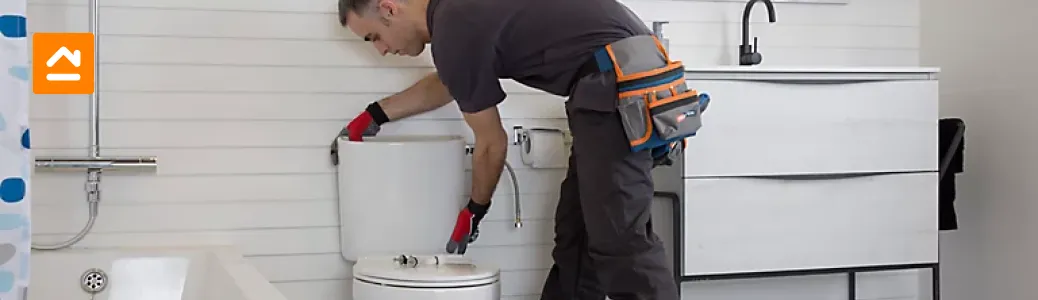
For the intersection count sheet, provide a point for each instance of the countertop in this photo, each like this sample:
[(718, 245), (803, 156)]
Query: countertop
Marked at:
[(809, 73), (806, 69)]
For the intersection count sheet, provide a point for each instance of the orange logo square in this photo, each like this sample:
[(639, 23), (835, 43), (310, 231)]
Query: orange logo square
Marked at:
[(63, 63)]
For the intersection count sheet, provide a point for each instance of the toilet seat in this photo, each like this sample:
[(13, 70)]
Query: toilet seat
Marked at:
[(383, 270)]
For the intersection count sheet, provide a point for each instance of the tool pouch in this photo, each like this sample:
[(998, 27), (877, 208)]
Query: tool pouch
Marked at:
[(656, 106)]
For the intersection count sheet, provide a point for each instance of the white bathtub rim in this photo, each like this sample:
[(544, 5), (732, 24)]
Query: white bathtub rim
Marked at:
[(252, 283)]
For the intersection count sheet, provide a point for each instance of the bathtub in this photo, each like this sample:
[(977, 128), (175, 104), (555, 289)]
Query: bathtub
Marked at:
[(188, 273)]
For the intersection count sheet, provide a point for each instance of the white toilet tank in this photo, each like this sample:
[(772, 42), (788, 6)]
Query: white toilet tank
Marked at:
[(399, 194)]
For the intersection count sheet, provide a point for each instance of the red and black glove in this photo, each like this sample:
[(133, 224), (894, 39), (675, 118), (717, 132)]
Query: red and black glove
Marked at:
[(466, 229), (367, 123)]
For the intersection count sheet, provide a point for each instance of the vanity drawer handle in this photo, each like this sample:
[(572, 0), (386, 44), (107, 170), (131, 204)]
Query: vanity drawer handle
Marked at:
[(826, 176), (820, 81)]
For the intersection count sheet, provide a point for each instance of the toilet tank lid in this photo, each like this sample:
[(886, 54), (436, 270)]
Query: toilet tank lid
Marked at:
[(456, 272)]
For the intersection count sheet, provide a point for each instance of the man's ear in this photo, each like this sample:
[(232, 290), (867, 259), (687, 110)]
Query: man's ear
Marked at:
[(387, 8)]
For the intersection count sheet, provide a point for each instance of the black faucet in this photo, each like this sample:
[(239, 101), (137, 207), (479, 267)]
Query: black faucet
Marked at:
[(748, 54)]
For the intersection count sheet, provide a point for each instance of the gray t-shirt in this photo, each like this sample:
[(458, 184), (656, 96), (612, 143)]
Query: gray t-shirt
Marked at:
[(538, 43)]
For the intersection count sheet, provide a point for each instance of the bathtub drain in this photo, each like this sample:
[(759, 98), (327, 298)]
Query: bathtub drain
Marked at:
[(94, 281)]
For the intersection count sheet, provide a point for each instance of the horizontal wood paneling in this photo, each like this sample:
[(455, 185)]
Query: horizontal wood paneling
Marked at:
[(239, 100), (894, 12), (158, 218), (253, 242), (253, 106), (227, 161), (173, 217), (692, 56), (145, 45), (245, 134), (140, 189), (66, 218), (708, 30), (288, 80)]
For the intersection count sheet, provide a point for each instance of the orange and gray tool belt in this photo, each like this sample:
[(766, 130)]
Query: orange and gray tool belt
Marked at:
[(658, 110)]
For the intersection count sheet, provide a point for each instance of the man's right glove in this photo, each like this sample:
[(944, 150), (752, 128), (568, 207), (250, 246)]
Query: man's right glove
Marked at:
[(466, 229), (367, 123)]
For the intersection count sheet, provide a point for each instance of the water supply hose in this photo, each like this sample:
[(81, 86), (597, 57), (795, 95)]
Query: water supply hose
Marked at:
[(515, 192), (518, 221)]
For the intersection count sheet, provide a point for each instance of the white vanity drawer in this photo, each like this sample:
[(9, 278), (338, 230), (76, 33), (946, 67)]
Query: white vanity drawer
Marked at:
[(735, 225), (757, 127)]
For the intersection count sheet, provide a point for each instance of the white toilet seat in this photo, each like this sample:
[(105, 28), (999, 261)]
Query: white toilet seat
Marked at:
[(383, 270)]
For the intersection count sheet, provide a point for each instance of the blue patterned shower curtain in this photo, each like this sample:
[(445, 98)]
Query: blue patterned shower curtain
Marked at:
[(15, 160)]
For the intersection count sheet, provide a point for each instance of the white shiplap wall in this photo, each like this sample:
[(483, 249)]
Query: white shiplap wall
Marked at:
[(239, 100)]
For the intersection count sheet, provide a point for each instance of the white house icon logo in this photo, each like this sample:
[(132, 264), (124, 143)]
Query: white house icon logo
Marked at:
[(72, 57)]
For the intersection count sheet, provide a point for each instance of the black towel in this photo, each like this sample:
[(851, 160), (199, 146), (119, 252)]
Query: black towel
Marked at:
[(948, 129)]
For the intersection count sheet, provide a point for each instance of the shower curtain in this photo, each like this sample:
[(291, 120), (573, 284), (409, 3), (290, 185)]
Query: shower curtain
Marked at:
[(15, 160)]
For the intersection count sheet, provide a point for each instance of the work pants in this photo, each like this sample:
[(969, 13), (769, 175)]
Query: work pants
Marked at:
[(604, 242)]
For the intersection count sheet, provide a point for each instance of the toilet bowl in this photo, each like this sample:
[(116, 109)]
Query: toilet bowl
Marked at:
[(401, 194), (383, 278)]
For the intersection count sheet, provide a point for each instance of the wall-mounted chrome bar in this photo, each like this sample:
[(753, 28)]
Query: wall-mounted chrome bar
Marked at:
[(519, 134), (101, 163), (94, 163), (95, 104)]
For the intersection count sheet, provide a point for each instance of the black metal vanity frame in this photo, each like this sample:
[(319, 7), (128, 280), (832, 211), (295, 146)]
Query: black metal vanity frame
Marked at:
[(678, 247)]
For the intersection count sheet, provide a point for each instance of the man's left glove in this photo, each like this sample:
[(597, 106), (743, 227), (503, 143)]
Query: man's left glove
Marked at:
[(367, 123), (466, 229)]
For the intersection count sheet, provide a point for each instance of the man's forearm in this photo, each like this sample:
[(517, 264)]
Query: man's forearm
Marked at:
[(488, 160), (425, 95)]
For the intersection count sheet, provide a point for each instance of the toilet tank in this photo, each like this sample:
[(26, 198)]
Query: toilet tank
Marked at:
[(399, 194)]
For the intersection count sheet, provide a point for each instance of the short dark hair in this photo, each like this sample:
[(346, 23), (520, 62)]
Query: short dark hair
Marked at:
[(357, 6)]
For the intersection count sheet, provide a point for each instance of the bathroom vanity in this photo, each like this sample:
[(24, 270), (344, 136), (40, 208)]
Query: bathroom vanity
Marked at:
[(802, 170)]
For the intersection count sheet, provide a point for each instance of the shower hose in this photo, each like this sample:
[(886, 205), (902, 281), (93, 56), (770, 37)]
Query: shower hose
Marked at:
[(93, 197)]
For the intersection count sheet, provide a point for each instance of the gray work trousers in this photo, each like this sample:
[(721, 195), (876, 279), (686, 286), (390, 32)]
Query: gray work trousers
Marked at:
[(604, 242)]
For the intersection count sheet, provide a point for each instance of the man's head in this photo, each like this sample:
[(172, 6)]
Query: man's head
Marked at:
[(393, 26)]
